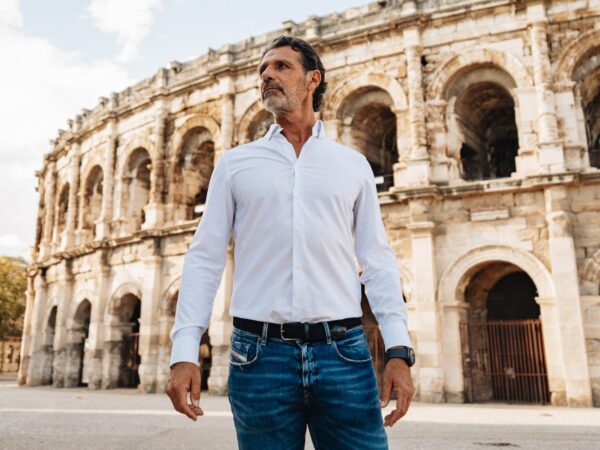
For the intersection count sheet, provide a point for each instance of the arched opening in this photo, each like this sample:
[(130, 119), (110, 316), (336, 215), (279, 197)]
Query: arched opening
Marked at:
[(483, 133), (48, 348), (78, 352), (136, 188), (587, 77), (193, 170), (92, 200), (129, 312), (259, 125), (61, 212), (369, 125), (503, 349), (486, 116)]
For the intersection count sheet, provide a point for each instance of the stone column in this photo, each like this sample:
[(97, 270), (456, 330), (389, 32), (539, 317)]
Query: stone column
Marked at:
[(149, 320), (568, 307), (454, 382), (96, 335), (551, 156), (48, 227), (69, 239), (103, 225), (34, 350), (415, 170), (67, 343), (154, 211), (221, 326), (227, 118), (27, 331), (429, 352)]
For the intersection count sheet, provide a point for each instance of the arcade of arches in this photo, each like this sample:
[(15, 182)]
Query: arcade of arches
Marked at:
[(485, 146)]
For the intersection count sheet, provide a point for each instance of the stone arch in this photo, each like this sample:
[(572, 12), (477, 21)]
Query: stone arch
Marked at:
[(133, 185), (372, 78), (91, 198), (78, 354), (191, 166), (456, 64), (168, 298), (124, 155), (455, 278), (573, 53), (62, 206), (128, 287), (121, 349), (589, 274), (198, 121), (49, 360), (248, 128), (366, 113)]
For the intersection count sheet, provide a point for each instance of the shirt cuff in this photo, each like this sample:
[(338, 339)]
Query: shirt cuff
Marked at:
[(395, 334), (185, 348)]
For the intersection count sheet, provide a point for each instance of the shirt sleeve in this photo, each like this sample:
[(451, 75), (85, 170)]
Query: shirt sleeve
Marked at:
[(203, 267), (378, 262)]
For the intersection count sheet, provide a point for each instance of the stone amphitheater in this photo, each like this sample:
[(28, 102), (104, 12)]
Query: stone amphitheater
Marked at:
[(481, 121)]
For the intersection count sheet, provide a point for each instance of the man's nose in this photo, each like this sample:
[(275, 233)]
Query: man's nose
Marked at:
[(266, 75)]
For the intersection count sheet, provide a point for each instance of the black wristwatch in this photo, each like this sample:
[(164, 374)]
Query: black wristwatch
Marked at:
[(405, 353)]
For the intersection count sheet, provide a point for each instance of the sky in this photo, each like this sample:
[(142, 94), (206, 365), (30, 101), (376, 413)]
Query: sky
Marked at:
[(60, 56)]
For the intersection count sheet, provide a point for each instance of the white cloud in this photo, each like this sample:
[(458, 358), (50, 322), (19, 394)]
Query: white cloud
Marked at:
[(11, 245), (41, 86), (130, 20), (10, 15)]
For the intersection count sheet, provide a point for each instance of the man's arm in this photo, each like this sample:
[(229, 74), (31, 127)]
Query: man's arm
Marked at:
[(378, 262), (203, 267), (382, 285)]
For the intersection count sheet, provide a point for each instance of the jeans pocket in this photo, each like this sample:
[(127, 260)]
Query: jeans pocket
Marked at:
[(354, 349), (244, 350)]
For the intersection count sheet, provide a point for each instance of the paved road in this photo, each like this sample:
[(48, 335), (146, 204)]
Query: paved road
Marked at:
[(48, 418)]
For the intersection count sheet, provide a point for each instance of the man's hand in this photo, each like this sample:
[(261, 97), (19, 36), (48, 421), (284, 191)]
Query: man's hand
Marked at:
[(396, 378), (184, 378)]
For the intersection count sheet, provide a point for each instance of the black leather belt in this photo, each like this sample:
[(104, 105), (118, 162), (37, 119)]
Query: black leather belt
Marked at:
[(298, 331)]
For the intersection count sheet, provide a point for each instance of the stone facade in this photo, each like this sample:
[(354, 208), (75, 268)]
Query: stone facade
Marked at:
[(481, 121)]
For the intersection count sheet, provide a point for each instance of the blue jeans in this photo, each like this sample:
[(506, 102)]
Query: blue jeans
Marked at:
[(277, 388)]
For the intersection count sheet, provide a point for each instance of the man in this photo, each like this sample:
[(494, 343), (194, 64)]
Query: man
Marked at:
[(300, 207)]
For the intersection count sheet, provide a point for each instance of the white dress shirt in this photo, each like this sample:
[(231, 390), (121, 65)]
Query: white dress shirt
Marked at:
[(297, 224)]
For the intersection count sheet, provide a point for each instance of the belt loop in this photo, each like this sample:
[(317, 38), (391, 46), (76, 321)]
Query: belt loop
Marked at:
[(327, 332), (265, 333)]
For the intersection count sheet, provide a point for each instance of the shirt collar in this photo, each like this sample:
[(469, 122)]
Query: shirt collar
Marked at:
[(318, 130)]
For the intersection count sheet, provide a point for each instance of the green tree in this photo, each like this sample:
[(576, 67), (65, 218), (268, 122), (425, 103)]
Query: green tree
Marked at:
[(13, 284)]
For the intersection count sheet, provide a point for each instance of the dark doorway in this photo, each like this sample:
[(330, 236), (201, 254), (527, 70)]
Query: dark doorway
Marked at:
[(131, 359), (504, 352)]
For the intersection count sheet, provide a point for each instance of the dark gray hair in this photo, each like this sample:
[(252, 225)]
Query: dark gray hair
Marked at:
[(310, 61)]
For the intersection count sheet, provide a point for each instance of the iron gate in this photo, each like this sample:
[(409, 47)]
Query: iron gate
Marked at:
[(504, 361)]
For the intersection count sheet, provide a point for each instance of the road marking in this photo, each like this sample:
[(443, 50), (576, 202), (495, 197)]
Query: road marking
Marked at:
[(144, 412)]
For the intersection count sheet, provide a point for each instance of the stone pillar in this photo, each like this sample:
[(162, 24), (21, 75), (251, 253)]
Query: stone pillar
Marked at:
[(149, 320), (551, 156), (27, 331), (34, 350), (414, 170), (69, 239), (154, 211), (566, 286), (454, 383), (96, 335), (221, 326), (103, 225), (48, 227), (227, 118), (429, 352)]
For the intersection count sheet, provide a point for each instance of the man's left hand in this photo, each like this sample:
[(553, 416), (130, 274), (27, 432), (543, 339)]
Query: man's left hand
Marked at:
[(396, 378)]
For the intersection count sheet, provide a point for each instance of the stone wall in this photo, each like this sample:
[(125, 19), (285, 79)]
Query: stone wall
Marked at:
[(480, 118)]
